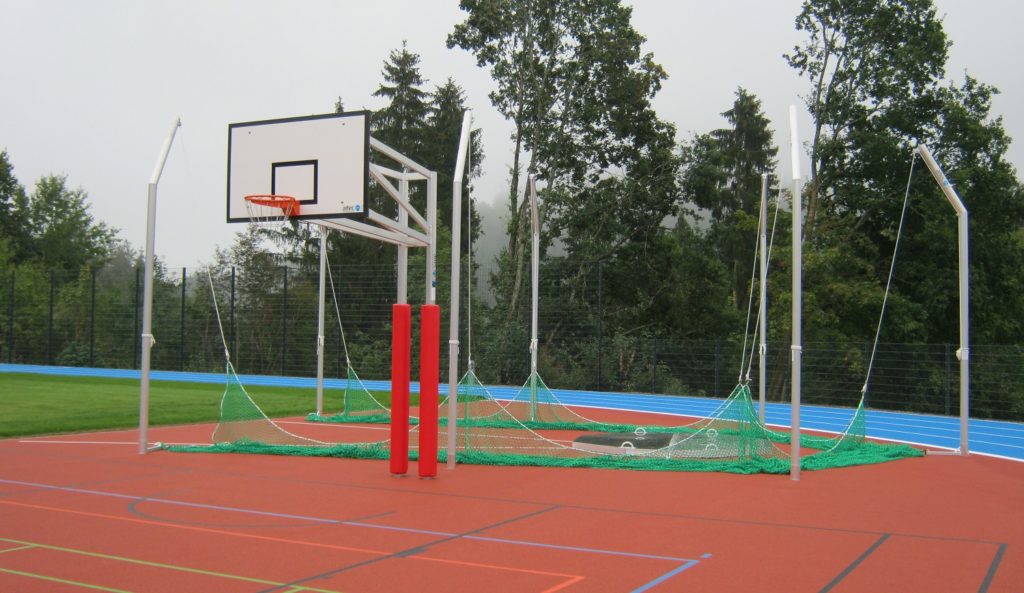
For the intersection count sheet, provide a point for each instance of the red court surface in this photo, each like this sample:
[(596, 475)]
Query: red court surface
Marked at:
[(88, 513)]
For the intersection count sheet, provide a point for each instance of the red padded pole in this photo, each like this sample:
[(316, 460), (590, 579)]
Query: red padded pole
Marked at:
[(401, 318), (430, 352)]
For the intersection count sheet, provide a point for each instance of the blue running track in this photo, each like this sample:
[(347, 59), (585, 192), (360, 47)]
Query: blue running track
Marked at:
[(988, 437)]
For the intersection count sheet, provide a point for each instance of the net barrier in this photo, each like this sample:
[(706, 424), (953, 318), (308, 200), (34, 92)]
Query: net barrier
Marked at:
[(534, 428)]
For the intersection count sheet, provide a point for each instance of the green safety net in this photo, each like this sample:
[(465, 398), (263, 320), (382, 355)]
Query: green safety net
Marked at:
[(359, 405), (534, 428)]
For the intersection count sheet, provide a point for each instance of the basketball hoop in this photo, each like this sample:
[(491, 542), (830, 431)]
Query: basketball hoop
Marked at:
[(271, 210)]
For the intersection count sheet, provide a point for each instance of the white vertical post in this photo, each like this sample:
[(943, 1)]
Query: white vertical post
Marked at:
[(534, 295), (963, 353), (403, 251), (320, 324), (431, 279), (762, 370), (453, 327), (796, 349), (147, 303)]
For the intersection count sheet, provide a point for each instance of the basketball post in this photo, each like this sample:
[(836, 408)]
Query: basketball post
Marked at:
[(147, 306), (272, 179)]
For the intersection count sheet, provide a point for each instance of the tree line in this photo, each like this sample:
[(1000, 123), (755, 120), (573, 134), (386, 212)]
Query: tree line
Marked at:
[(649, 238)]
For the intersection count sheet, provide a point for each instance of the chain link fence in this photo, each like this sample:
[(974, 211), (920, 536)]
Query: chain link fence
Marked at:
[(269, 318)]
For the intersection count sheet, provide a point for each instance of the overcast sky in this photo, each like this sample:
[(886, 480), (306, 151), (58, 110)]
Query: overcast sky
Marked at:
[(90, 89)]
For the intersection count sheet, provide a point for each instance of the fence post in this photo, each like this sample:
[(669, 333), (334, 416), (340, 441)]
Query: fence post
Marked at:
[(92, 318), (654, 365), (284, 320), (948, 373), (10, 319), (181, 351), (135, 323), (49, 324), (600, 321), (718, 358), (234, 343)]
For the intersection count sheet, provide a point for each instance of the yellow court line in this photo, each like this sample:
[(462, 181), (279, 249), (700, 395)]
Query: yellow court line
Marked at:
[(28, 547), (295, 588), (43, 577)]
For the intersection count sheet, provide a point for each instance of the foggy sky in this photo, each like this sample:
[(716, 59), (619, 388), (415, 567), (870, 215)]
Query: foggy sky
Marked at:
[(89, 89)]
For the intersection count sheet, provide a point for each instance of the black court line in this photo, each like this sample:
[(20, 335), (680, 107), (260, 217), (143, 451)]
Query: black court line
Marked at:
[(854, 564), (407, 552), (985, 584)]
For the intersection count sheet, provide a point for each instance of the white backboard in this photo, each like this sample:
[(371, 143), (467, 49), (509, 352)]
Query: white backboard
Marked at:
[(321, 160)]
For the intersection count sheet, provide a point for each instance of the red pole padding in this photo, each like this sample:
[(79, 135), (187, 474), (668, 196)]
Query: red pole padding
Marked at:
[(430, 352), (401, 318)]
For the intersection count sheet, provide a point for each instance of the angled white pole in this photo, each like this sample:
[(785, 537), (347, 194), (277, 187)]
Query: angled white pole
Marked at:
[(403, 251), (534, 295), (147, 302), (762, 352), (320, 323), (453, 327), (963, 353), (796, 348), (431, 267)]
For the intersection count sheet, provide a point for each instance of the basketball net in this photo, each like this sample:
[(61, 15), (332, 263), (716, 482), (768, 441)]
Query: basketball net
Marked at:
[(271, 211)]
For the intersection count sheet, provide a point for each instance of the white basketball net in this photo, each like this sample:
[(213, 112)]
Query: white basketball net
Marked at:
[(271, 211)]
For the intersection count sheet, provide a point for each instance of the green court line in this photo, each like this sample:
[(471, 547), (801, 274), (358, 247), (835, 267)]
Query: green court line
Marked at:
[(62, 581), (25, 544)]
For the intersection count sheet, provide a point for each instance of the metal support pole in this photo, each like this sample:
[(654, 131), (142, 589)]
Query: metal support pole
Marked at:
[(534, 295), (147, 314), (431, 267), (796, 349), (320, 324), (403, 251), (453, 324), (963, 353), (762, 352)]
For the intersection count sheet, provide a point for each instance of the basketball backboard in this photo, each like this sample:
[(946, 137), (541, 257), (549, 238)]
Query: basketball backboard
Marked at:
[(321, 160)]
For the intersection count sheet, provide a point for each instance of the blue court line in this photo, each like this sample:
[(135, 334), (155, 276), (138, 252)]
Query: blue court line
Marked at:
[(348, 523), (666, 576), (989, 437)]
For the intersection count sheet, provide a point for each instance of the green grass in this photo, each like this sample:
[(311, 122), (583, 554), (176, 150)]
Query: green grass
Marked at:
[(46, 404)]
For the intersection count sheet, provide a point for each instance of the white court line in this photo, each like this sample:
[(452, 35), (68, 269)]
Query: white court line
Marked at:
[(61, 442)]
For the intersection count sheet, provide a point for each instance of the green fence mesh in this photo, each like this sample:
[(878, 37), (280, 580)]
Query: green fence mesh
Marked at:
[(534, 428)]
